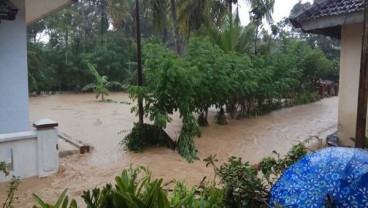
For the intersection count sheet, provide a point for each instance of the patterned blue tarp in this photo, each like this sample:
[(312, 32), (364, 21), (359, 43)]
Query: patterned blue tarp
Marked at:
[(332, 177)]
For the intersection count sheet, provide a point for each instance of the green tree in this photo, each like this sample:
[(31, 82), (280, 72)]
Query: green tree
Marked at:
[(101, 85), (260, 9), (194, 14)]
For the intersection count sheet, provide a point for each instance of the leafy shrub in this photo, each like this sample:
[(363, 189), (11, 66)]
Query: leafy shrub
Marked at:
[(146, 135), (305, 98), (202, 121), (242, 186), (220, 117), (246, 185), (62, 202), (98, 198), (136, 188), (185, 145), (13, 187), (3, 168), (204, 196)]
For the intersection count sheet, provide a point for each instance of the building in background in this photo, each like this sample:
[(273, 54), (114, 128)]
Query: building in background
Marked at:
[(343, 20)]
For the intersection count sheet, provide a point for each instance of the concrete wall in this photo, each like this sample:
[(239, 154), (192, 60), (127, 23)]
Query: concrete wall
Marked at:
[(30, 153), (19, 151), (13, 74), (351, 44)]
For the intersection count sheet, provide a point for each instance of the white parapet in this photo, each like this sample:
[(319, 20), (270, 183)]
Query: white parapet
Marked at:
[(31, 153)]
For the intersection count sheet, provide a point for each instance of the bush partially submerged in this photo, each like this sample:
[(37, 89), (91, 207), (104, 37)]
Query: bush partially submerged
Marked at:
[(146, 135)]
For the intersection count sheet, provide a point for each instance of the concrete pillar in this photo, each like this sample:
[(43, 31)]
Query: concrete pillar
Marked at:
[(13, 73), (351, 48), (47, 147)]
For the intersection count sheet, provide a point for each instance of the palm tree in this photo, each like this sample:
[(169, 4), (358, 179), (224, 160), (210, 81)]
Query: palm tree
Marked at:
[(176, 34), (157, 11), (139, 60), (194, 14), (260, 9), (119, 11), (101, 86)]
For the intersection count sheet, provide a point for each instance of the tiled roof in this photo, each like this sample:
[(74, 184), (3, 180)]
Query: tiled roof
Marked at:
[(327, 16), (337, 7)]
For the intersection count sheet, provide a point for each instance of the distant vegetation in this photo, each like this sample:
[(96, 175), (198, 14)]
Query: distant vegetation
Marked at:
[(196, 55)]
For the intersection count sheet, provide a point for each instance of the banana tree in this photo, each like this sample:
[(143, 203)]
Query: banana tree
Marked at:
[(101, 85)]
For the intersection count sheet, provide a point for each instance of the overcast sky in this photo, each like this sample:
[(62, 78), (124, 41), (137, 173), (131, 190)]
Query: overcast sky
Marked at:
[(282, 9)]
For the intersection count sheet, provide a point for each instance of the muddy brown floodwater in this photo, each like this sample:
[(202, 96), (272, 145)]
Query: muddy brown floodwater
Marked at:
[(98, 124)]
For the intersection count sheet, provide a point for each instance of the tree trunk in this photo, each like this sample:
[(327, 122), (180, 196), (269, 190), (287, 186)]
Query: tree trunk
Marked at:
[(256, 39), (139, 61), (66, 46), (177, 39)]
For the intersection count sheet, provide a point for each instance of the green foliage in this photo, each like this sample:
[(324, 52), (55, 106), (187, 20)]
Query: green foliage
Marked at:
[(213, 86), (41, 76), (98, 198), (185, 145), (305, 98), (13, 187), (202, 120), (220, 117), (204, 196), (136, 188), (62, 202), (10, 197), (272, 168), (241, 185), (170, 87), (146, 135), (3, 168), (101, 85), (134, 192), (248, 185), (245, 69)]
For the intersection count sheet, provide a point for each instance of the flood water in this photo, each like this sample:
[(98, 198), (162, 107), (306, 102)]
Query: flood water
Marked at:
[(98, 124)]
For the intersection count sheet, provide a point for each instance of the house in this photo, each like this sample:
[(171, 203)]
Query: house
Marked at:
[(27, 152), (341, 19)]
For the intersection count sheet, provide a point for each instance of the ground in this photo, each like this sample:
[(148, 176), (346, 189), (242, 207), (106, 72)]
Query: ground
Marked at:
[(98, 124)]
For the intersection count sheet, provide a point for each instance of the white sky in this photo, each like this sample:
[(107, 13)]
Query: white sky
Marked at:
[(282, 9)]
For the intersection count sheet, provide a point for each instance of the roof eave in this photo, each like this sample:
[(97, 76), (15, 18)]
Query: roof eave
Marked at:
[(30, 20), (328, 24)]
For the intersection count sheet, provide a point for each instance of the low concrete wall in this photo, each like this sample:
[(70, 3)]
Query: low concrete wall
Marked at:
[(30, 153), (19, 151)]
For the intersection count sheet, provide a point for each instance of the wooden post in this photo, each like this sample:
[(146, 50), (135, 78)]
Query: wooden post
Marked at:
[(139, 61), (363, 87)]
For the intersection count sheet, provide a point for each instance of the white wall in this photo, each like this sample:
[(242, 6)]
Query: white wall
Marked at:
[(19, 151), (13, 74), (351, 44)]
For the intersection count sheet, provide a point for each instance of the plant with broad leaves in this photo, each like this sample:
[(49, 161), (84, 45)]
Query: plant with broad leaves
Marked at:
[(62, 202), (101, 85)]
